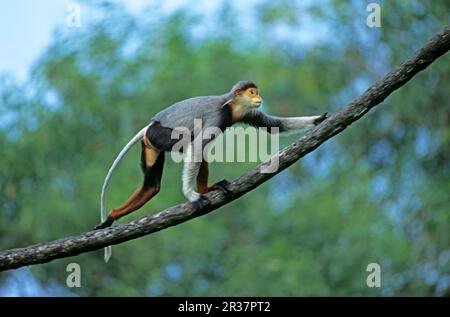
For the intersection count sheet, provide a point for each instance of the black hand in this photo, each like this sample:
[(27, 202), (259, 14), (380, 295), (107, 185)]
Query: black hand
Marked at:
[(224, 186), (104, 224), (321, 118), (202, 202)]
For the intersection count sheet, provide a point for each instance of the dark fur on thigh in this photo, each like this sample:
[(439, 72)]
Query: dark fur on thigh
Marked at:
[(161, 137)]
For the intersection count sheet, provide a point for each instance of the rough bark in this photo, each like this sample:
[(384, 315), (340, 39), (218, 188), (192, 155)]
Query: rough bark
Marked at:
[(93, 240)]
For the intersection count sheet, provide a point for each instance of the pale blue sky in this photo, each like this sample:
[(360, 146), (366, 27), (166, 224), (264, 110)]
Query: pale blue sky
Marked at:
[(26, 28)]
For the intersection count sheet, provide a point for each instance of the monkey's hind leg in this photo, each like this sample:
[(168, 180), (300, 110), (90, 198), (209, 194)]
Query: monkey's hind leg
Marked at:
[(152, 162), (202, 181)]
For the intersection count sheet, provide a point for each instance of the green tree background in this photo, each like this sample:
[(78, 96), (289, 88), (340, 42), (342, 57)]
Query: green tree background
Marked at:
[(376, 193)]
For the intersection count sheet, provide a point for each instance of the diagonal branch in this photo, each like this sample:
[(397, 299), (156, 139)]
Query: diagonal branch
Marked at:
[(93, 240)]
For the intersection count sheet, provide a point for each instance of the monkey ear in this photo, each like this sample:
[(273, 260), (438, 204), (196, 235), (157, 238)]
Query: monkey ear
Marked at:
[(226, 103)]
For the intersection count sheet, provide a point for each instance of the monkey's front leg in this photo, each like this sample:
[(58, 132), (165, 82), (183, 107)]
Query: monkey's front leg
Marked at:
[(191, 170), (295, 123)]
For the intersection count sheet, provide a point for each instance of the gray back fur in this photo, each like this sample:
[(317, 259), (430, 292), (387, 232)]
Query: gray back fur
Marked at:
[(183, 113), (207, 108)]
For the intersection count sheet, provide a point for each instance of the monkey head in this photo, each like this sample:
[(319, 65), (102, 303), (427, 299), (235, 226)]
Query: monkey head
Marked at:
[(246, 94)]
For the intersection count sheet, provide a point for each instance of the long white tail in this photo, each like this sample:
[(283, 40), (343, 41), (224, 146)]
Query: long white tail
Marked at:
[(103, 213)]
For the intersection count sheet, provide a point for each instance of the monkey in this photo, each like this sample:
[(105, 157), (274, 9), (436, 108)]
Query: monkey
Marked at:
[(240, 104)]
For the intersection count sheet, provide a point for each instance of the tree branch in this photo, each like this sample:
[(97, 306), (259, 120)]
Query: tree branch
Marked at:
[(93, 240)]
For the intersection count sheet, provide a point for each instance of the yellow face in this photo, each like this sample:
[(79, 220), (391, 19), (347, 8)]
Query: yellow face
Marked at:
[(252, 98), (245, 101)]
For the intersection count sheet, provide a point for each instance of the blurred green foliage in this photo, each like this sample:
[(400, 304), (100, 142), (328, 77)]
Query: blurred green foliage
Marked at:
[(376, 193)]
